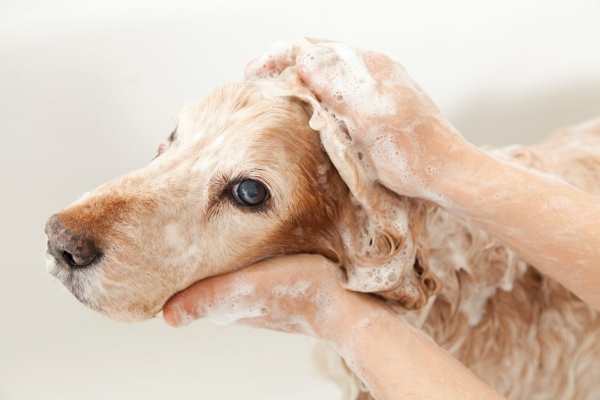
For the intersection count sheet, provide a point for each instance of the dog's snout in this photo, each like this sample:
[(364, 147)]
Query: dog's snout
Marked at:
[(70, 248)]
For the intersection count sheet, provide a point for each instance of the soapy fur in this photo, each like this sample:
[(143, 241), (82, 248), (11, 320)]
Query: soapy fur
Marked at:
[(174, 222)]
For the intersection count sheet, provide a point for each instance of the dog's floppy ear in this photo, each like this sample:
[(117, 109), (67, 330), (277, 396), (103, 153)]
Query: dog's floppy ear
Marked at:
[(386, 244), (383, 235), (386, 248)]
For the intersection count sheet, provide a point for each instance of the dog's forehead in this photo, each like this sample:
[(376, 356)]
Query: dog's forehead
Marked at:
[(239, 125)]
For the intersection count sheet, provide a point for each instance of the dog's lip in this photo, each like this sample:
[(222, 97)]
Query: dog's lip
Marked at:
[(54, 267), (71, 280), (59, 261)]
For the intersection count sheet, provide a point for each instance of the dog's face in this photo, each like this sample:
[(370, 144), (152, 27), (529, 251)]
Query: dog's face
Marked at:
[(242, 178)]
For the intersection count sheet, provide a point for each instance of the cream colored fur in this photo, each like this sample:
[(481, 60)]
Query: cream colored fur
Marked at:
[(174, 222)]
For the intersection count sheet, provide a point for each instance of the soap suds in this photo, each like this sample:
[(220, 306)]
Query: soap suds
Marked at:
[(380, 250), (234, 305), (356, 87)]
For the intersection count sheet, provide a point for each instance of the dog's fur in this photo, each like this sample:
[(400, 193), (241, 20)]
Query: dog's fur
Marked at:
[(174, 222)]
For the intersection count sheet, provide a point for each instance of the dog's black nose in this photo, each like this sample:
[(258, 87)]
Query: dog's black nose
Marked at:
[(71, 249)]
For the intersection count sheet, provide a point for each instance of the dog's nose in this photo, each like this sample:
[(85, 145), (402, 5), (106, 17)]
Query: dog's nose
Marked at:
[(71, 249)]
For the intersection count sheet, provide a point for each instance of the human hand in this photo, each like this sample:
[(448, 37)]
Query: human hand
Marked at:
[(299, 294), (396, 132), (302, 294)]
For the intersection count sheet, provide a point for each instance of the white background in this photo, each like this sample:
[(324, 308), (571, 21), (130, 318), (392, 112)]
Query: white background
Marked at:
[(89, 88)]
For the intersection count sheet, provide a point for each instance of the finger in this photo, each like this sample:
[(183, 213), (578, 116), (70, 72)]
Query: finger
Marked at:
[(280, 56), (182, 308), (224, 298), (243, 294), (322, 70), (342, 81), (330, 70)]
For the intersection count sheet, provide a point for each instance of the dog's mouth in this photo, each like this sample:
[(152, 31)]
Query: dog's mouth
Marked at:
[(77, 280)]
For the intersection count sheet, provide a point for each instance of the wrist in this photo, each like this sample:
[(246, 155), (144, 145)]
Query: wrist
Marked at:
[(395, 360), (336, 323), (466, 177), (455, 165)]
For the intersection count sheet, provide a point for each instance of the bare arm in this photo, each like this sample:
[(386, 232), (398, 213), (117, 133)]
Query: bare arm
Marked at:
[(549, 223), (415, 151), (302, 294)]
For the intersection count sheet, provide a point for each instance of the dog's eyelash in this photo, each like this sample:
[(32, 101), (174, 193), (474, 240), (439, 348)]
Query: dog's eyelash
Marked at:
[(222, 189)]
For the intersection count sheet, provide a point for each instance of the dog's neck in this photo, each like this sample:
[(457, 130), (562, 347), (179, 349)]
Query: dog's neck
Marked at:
[(472, 264)]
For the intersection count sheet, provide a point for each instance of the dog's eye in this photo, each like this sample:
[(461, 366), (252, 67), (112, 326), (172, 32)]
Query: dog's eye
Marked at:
[(250, 192)]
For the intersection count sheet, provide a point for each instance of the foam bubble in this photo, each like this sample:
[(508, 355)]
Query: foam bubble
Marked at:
[(382, 218), (234, 306), (356, 87), (295, 291)]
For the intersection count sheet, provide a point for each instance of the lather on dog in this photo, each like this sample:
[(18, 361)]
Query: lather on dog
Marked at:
[(244, 178)]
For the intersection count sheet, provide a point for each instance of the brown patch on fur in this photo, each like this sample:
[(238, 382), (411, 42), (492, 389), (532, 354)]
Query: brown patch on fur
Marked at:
[(309, 226), (95, 218), (166, 227)]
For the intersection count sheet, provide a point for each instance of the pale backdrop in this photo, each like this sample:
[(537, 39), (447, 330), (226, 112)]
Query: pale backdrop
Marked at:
[(89, 88)]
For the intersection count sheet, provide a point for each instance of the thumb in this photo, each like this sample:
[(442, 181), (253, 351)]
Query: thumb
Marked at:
[(223, 299), (185, 306)]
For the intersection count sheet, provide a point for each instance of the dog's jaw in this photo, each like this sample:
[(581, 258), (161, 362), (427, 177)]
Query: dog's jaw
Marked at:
[(174, 222)]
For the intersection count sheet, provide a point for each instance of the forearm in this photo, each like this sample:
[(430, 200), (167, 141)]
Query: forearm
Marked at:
[(302, 294), (549, 223), (395, 361)]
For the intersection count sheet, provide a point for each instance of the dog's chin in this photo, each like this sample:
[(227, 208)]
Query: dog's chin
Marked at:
[(130, 317), (76, 281), (79, 284)]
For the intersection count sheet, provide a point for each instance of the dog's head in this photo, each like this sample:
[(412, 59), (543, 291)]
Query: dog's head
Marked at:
[(242, 178)]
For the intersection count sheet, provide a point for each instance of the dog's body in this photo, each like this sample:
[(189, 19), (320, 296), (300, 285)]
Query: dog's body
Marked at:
[(536, 331), (125, 248)]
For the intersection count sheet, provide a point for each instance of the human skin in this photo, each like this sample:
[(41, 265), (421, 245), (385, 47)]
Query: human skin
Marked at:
[(301, 294), (411, 149), (546, 221)]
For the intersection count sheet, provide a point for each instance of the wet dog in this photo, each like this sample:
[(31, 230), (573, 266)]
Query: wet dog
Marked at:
[(244, 177)]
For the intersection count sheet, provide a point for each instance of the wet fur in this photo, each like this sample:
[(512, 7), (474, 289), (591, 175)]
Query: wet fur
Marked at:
[(172, 223)]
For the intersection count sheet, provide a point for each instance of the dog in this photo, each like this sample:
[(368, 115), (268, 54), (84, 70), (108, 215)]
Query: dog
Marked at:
[(244, 177)]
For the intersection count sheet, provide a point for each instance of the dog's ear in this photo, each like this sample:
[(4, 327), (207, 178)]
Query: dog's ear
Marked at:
[(384, 234), (384, 238), (386, 248)]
